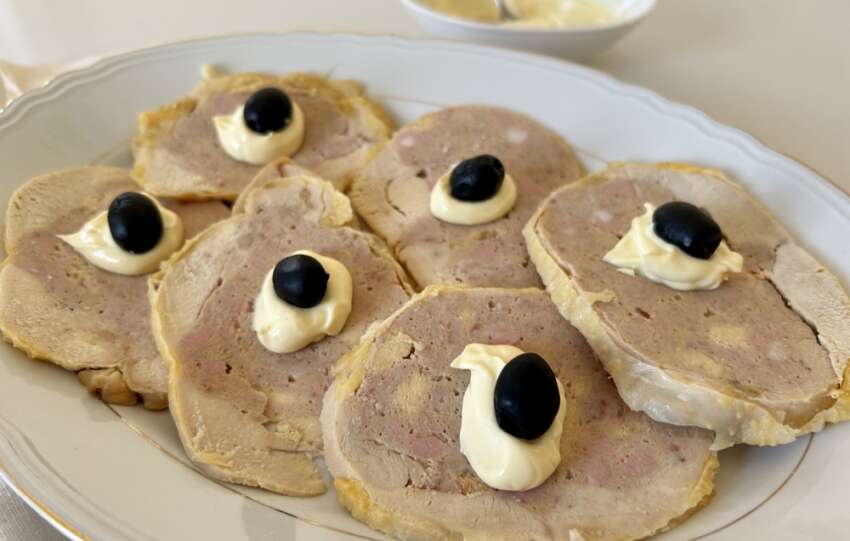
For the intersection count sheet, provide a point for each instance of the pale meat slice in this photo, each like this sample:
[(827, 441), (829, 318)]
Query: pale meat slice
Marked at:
[(391, 424), (280, 168), (245, 414), (177, 153), (56, 306), (392, 194), (760, 360)]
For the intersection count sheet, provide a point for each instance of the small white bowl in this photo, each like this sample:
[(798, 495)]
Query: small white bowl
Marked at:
[(578, 43)]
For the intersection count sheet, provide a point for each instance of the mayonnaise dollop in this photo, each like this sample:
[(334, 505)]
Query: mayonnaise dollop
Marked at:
[(95, 243), (454, 211), (284, 328), (643, 252), (530, 13), (243, 144), (501, 460)]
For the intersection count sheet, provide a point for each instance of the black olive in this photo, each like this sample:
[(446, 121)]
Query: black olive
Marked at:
[(134, 222), (526, 397), (688, 227), (300, 280), (477, 179), (267, 110)]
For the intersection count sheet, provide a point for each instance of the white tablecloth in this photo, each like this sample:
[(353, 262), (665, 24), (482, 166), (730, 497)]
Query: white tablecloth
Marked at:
[(779, 69)]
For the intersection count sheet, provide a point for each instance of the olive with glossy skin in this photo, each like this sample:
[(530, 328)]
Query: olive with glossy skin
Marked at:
[(526, 397), (688, 227), (300, 280), (477, 179), (268, 110), (134, 222)]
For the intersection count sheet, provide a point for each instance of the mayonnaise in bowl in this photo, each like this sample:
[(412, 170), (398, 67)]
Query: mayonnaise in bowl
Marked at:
[(529, 13)]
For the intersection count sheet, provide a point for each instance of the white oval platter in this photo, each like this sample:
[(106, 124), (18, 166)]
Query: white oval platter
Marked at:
[(104, 473)]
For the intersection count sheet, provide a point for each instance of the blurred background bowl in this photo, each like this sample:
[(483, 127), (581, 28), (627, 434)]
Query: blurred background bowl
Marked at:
[(574, 43)]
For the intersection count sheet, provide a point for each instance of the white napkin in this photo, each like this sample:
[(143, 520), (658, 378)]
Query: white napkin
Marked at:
[(15, 79)]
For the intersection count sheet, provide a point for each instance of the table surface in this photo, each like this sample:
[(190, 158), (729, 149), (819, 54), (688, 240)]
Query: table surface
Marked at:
[(779, 69)]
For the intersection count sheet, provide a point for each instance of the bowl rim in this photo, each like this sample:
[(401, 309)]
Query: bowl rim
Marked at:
[(417, 7)]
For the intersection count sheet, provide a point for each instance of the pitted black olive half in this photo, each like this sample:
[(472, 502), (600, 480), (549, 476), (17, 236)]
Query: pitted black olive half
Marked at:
[(477, 179), (134, 222), (268, 110), (300, 280), (526, 397), (688, 227)]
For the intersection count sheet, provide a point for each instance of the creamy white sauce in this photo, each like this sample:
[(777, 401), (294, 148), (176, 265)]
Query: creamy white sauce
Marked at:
[(643, 252), (95, 243), (559, 13), (454, 211), (245, 145), (501, 460), (529, 13), (284, 328)]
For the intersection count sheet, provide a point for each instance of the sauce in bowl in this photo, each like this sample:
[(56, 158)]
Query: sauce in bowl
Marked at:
[(529, 13)]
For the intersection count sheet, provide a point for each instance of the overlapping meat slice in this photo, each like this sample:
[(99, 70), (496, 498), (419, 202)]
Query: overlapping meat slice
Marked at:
[(245, 414), (391, 423), (56, 306), (392, 194), (759, 360), (177, 153)]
